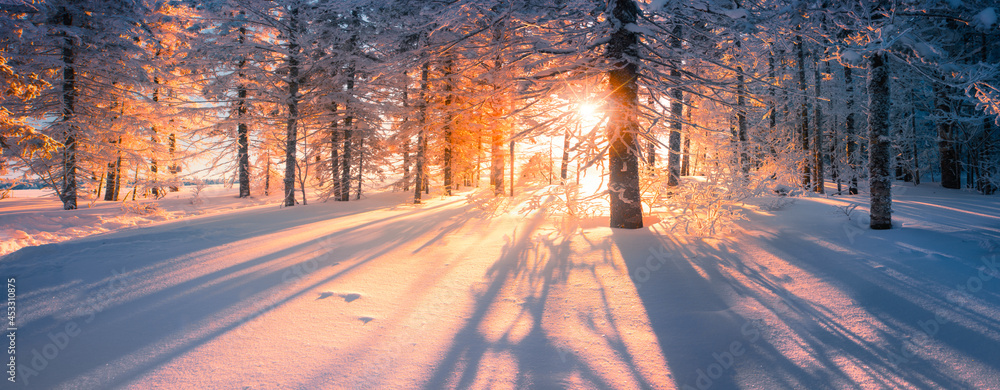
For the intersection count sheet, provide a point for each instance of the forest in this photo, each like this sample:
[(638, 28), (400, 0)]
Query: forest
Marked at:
[(681, 108)]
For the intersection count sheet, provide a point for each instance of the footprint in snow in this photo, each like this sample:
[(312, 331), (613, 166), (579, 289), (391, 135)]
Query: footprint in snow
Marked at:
[(350, 297), (324, 295)]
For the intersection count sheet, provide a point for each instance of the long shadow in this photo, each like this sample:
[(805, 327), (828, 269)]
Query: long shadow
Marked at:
[(706, 344), (469, 346), (889, 294), (115, 252), (140, 334), (540, 263), (685, 294)]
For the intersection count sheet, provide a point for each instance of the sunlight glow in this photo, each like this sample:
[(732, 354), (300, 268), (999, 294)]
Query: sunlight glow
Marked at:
[(590, 114)]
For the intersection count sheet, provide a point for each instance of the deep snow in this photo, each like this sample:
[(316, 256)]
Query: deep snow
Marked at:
[(456, 294)]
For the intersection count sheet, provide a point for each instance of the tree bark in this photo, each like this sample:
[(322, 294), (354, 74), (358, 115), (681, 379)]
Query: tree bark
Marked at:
[(852, 143), (803, 114), (174, 167), (987, 156), (818, 168), (950, 160), (676, 110), (497, 161), (511, 168), (418, 170), (68, 192), (500, 109), (623, 184), (345, 178), (361, 166), (406, 164), (243, 132), (335, 154), (114, 171), (564, 167), (741, 117), (291, 128), (449, 139), (879, 177)]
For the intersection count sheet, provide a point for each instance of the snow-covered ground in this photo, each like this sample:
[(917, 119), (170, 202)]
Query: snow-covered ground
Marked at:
[(34, 217), (456, 294)]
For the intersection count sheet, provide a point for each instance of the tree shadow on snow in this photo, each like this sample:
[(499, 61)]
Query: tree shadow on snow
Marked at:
[(731, 315), (126, 326)]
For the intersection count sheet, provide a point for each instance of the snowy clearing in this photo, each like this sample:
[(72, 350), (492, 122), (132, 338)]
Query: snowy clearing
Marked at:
[(383, 294)]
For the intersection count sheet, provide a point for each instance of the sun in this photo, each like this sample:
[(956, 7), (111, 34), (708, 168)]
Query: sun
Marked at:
[(587, 110), (590, 113)]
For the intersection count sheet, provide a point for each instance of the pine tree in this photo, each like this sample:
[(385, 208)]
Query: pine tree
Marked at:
[(623, 164), (879, 176)]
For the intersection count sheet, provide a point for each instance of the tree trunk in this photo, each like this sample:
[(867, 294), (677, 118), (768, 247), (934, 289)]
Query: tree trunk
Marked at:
[(564, 167), (291, 133), (345, 178), (154, 140), (111, 179), (496, 161), (118, 177), (243, 136), (772, 105), (361, 165), (449, 140), (987, 185), (950, 160), (244, 160), (818, 168), (500, 109), (267, 175), (623, 162), (511, 168), (878, 144), (406, 164), (335, 154), (741, 117), (68, 192), (686, 156), (100, 186), (114, 172), (174, 167), (651, 144), (852, 142), (676, 110), (418, 170), (803, 114), (477, 175)]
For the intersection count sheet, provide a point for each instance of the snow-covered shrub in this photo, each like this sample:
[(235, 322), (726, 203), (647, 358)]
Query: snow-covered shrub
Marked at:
[(775, 203), (570, 201), (704, 204), (537, 170), (137, 208), (196, 198), (847, 210)]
